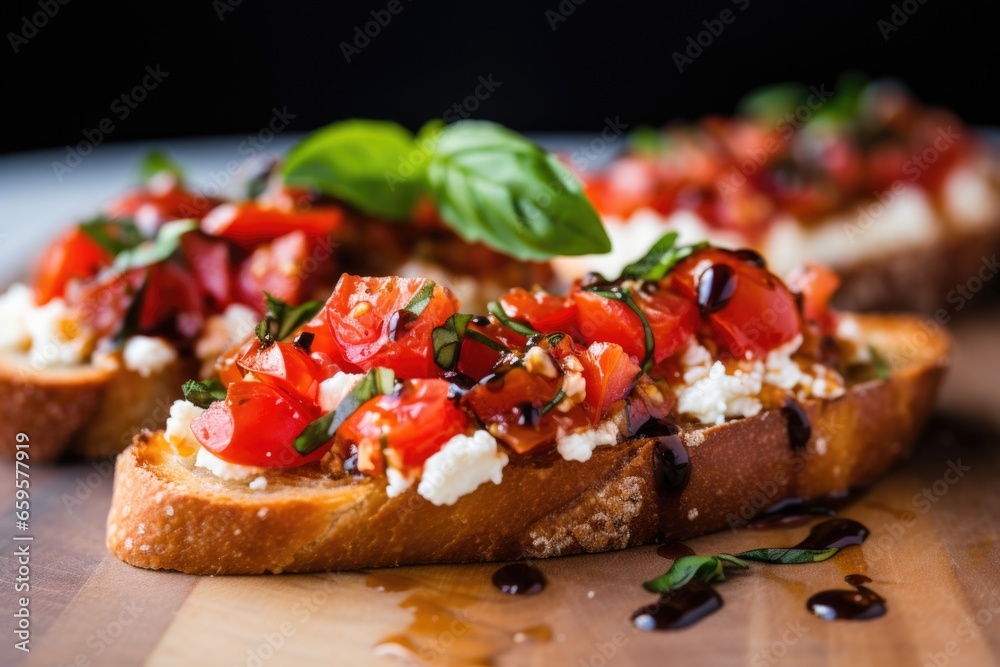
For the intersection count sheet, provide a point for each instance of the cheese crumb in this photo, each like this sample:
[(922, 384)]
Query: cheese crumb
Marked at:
[(258, 483), (178, 432), (333, 390), (146, 355), (579, 446), (460, 467), (398, 482), (224, 469)]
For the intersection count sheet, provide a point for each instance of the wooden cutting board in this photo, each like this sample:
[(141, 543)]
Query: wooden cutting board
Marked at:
[(933, 554)]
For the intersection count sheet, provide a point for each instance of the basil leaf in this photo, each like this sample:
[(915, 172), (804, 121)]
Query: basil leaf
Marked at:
[(788, 556), (498, 312), (660, 259), (372, 165), (772, 103), (882, 368), (287, 317), (648, 141), (114, 236), (203, 394), (495, 186), (377, 381), (421, 298), (706, 569), (447, 340), (156, 162), (147, 253)]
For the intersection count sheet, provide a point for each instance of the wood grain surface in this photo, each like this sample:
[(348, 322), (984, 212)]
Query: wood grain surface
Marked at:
[(933, 553)]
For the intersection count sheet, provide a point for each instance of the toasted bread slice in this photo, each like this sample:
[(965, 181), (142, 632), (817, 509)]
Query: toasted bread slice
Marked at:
[(167, 514), (88, 410)]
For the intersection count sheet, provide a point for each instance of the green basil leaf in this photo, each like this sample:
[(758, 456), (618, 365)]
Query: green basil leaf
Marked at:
[(156, 162), (882, 368), (447, 340), (287, 318), (376, 381), (660, 259), (648, 141), (373, 165), (147, 253), (772, 103), (114, 236), (706, 569), (495, 186), (625, 296), (788, 556), (421, 298), (498, 312), (203, 394)]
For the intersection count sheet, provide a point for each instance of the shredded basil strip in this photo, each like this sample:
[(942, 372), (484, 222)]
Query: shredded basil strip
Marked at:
[(660, 259), (283, 319), (130, 322), (788, 556), (420, 300), (447, 340), (147, 253), (377, 381), (203, 394), (556, 400), (497, 311), (114, 236), (156, 162), (705, 569), (623, 295)]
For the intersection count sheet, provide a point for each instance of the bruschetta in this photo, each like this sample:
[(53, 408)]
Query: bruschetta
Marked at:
[(386, 427)]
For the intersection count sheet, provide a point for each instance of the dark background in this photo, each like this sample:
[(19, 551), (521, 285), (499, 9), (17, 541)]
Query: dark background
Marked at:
[(607, 59)]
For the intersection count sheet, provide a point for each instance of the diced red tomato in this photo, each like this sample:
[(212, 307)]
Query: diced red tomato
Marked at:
[(210, 264), (250, 224), (72, 255), (415, 423), (817, 284), (761, 313), (672, 319), (515, 401), (172, 301), (103, 302), (256, 425), (610, 375), (369, 326), (278, 267), (476, 359), (541, 310), (163, 200), (226, 366), (284, 365)]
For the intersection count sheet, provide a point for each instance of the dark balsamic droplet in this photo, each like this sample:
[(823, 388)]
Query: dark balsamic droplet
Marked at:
[(529, 414), (791, 512), (480, 320), (799, 428), (862, 604), (519, 579), (751, 257), (459, 384), (716, 286), (399, 323), (679, 608), (834, 534), (672, 466), (304, 340)]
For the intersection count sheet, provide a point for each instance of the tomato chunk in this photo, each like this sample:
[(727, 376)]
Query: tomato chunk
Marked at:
[(256, 425), (286, 366), (610, 375), (251, 224), (72, 255), (209, 260), (817, 284), (369, 325), (163, 200), (749, 309), (278, 267), (415, 423), (543, 312)]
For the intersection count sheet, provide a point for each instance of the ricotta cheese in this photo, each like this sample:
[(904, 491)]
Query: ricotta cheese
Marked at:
[(15, 303), (580, 446), (333, 390), (224, 469), (178, 431), (57, 339), (398, 482), (460, 467), (223, 331), (146, 355)]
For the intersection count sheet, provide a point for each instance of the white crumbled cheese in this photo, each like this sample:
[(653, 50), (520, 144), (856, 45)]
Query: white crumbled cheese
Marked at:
[(258, 483), (460, 467), (826, 383), (222, 332), (848, 330), (146, 355), (398, 482), (539, 362), (333, 390), (57, 339), (969, 198), (711, 394), (579, 446), (178, 431), (224, 469), (574, 386), (780, 369), (15, 304)]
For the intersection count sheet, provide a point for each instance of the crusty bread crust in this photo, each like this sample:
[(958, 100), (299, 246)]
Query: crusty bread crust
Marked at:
[(85, 410), (166, 514)]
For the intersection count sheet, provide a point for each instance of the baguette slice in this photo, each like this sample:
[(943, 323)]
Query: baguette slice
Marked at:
[(87, 410), (167, 514)]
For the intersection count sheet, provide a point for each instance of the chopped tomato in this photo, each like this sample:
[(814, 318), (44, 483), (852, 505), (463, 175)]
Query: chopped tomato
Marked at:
[(72, 255), (817, 284), (256, 425), (103, 301), (171, 301), (542, 311), (226, 366), (251, 224), (477, 358), (278, 267), (515, 401), (211, 266), (415, 423), (671, 318), (369, 325), (284, 365), (749, 309), (610, 375), (161, 201)]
